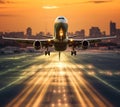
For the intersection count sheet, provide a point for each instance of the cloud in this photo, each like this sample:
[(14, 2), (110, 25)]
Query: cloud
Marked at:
[(50, 7), (7, 15), (77, 3), (88, 2), (99, 1), (3, 7), (5, 1)]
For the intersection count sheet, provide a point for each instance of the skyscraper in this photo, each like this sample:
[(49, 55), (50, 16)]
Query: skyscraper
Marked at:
[(29, 32), (112, 28)]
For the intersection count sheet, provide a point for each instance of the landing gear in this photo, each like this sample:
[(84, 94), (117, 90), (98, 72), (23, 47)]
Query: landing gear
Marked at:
[(47, 52), (73, 53)]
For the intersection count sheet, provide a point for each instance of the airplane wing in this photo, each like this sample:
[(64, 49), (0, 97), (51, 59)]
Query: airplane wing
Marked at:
[(85, 43), (37, 43), (27, 39), (91, 39)]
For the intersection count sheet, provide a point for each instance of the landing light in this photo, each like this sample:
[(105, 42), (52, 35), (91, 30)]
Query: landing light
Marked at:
[(90, 66), (71, 40), (91, 73), (61, 32), (49, 40), (109, 73)]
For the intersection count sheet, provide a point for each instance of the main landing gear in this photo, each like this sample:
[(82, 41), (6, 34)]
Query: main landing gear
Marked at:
[(47, 52), (73, 53)]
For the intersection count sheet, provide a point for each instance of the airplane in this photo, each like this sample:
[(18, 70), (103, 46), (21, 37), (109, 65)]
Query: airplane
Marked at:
[(61, 40)]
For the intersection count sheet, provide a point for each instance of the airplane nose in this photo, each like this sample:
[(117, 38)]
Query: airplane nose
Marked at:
[(61, 25)]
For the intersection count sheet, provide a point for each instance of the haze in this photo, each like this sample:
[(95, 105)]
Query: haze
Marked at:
[(17, 15)]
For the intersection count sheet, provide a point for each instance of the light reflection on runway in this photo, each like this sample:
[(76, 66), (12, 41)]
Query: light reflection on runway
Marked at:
[(58, 84)]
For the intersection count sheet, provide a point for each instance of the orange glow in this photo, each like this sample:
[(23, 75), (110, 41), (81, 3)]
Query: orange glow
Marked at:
[(36, 88), (49, 40), (71, 40), (17, 15), (61, 32)]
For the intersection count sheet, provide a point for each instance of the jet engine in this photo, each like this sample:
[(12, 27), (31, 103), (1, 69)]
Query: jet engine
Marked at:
[(85, 44), (37, 45)]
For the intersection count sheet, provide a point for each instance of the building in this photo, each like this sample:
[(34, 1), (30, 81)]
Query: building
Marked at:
[(112, 28), (1, 33), (80, 33), (118, 32), (14, 34), (95, 32), (1, 40), (118, 36), (29, 31), (48, 34), (114, 31)]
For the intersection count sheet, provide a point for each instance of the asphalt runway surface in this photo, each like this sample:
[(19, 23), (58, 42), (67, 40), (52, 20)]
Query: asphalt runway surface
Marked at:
[(90, 79)]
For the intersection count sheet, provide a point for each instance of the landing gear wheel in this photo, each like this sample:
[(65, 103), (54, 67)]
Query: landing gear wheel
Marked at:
[(73, 53), (47, 53)]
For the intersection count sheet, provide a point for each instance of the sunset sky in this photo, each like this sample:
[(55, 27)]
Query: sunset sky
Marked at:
[(17, 15)]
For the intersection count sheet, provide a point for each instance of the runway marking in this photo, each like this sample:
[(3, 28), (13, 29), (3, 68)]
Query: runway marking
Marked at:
[(9, 85), (80, 81), (24, 94), (38, 96), (39, 81), (106, 83), (53, 81), (103, 81)]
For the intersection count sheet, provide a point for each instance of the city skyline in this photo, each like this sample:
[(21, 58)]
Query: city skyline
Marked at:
[(93, 31), (40, 14)]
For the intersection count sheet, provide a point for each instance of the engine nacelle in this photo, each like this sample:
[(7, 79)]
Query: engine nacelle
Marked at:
[(37, 45), (85, 44)]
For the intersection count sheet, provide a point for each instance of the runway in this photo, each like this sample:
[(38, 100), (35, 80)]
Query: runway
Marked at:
[(90, 79)]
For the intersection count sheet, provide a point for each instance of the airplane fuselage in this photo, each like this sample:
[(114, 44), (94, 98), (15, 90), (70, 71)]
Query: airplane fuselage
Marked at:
[(60, 33)]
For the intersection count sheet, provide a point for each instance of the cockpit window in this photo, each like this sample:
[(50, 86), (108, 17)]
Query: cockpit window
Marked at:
[(61, 18)]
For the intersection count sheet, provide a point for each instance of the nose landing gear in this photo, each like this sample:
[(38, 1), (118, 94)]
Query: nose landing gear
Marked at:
[(47, 52)]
